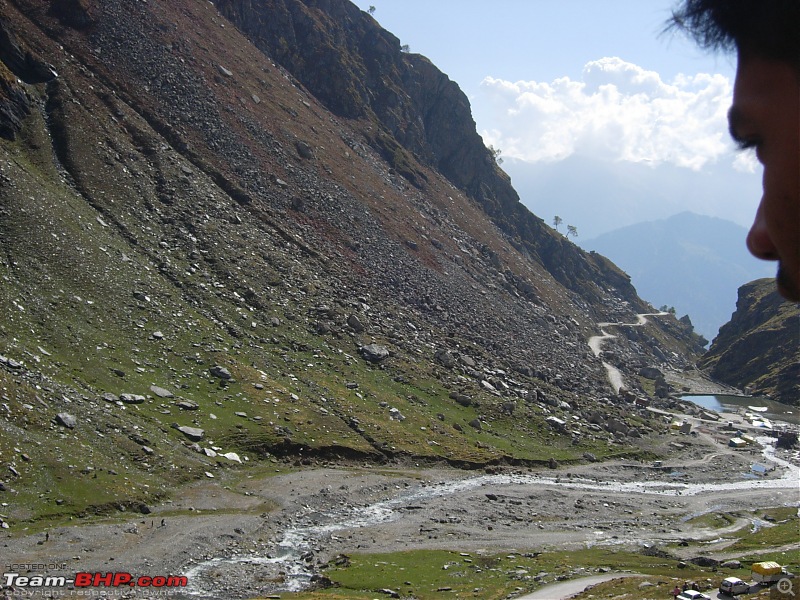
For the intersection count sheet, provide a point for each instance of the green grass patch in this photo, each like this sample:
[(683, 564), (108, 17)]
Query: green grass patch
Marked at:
[(777, 534), (433, 574), (712, 520)]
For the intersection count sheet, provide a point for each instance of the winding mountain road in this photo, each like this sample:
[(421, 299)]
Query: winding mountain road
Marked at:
[(596, 344)]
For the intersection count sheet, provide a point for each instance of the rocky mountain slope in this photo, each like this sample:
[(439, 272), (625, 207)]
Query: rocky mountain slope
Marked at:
[(759, 348), (241, 232)]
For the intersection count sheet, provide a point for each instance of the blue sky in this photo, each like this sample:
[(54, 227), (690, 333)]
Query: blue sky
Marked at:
[(596, 79), (539, 39)]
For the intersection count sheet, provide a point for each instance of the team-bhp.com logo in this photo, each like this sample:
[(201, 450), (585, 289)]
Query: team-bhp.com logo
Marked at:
[(94, 580)]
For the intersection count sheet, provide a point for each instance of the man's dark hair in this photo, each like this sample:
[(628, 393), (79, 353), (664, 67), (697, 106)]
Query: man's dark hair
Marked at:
[(766, 28)]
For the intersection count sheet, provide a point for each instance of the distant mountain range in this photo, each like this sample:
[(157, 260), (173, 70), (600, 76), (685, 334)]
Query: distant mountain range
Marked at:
[(598, 196), (688, 261)]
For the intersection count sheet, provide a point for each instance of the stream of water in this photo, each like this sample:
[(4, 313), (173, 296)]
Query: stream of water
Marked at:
[(298, 540)]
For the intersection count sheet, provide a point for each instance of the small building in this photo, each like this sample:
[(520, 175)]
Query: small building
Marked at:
[(737, 443), (766, 572), (682, 426)]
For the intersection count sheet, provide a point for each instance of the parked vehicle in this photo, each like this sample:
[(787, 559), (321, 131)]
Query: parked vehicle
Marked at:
[(733, 585), (693, 595), (766, 572)]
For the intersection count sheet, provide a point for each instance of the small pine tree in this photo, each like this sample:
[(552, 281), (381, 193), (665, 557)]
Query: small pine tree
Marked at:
[(496, 154)]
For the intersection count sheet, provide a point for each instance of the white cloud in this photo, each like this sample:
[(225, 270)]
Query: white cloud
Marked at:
[(746, 162), (617, 110)]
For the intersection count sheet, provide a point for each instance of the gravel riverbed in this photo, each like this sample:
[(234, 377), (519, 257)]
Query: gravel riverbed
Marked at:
[(269, 534)]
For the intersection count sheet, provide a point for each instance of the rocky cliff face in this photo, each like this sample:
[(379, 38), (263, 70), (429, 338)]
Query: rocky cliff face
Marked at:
[(18, 67), (290, 243), (416, 114), (759, 348)]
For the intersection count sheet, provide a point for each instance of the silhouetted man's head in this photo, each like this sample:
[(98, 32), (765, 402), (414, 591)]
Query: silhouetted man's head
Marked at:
[(765, 114)]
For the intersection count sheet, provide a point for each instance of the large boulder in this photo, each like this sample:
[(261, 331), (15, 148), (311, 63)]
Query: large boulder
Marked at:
[(651, 373), (445, 358), (66, 420), (374, 353), (220, 372), (193, 433)]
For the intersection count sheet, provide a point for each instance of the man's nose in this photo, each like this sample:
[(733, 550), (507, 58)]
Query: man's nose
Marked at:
[(759, 242)]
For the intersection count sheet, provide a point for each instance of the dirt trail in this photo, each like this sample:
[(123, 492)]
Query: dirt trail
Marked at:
[(567, 589), (596, 344)]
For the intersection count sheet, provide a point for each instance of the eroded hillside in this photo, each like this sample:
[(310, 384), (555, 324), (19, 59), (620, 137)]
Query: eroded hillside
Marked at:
[(759, 348), (199, 257)]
